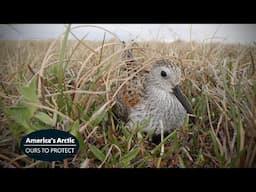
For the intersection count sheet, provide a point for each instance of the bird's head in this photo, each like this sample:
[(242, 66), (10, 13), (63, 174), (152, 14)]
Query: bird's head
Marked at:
[(165, 75)]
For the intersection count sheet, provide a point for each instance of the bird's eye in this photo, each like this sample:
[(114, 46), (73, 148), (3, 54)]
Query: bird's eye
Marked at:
[(163, 74)]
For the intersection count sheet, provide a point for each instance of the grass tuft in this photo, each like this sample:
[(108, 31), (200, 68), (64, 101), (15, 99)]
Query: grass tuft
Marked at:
[(71, 86)]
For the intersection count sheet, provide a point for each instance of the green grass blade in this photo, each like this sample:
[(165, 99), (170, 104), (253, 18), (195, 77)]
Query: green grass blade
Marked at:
[(43, 117), (171, 135), (74, 130), (129, 156), (97, 153)]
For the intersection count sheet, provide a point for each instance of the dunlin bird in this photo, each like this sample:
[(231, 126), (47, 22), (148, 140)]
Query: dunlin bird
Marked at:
[(152, 97)]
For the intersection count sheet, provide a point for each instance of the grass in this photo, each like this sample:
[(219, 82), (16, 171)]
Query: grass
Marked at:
[(69, 85)]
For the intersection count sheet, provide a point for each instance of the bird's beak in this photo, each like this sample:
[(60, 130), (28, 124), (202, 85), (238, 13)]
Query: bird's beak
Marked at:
[(177, 92)]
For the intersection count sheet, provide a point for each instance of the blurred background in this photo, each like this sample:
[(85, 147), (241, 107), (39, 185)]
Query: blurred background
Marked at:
[(226, 33)]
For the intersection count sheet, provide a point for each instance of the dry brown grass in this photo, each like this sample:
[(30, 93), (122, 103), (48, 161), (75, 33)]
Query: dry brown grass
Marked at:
[(218, 79)]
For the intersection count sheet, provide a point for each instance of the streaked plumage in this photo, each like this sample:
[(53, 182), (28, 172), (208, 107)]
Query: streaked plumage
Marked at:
[(152, 95)]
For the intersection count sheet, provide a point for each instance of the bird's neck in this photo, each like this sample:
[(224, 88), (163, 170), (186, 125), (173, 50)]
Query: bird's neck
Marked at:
[(157, 93)]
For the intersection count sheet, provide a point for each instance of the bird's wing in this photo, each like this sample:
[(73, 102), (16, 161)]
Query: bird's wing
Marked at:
[(132, 92)]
